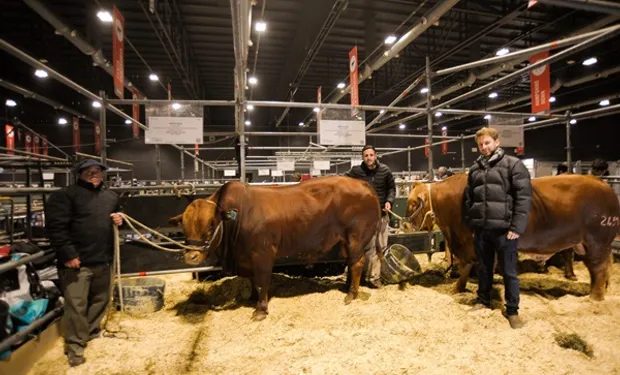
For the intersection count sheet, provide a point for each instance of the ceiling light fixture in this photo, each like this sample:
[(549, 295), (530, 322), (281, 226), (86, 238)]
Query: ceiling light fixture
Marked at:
[(438, 114), (493, 95), (301, 123), (252, 81), (316, 109), (604, 102), (341, 85), (572, 121), (248, 122), (487, 117), (260, 26), (10, 103), (531, 119), (390, 39), (105, 16), (589, 61), (424, 90), (128, 122), (96, 104), (502, 51), (62, 121), (153, 77), (250, 107), (382, 111), (40, 73), (552, 99), (402, 126), (176, 106)]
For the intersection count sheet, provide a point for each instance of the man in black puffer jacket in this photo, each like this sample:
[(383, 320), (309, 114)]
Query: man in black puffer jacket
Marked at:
[(497, 203), (78, 221), (381, 179)]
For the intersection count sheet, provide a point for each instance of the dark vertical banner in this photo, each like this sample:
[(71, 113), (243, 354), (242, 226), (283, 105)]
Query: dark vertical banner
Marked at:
[(97, 138), (9, 134), (36, 140), (44, 146), (76, 133), (540, 84), (118, 51), (135, 114), (28, 142)]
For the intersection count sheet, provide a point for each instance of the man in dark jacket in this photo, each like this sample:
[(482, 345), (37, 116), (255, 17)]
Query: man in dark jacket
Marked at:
[(381, 179), (79, 222), (497, 204)]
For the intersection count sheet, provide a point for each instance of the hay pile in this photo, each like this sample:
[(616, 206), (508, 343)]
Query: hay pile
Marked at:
[(205, 328)]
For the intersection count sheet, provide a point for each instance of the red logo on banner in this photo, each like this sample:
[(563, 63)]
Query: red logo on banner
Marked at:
[(35, 144), (76, 134), (520, 151), (135, 114), (353, 78), (118, 50), (444, 146), (540, 84), (44, 145), (9, 133), (427, 149), (28, 142), (97, 138)]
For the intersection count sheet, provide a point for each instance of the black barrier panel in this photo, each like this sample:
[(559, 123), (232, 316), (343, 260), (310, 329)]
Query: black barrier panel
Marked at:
[(154, 211)]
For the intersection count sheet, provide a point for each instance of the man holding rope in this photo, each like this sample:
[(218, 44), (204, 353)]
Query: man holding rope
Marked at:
[(381, 179), (79, 220)]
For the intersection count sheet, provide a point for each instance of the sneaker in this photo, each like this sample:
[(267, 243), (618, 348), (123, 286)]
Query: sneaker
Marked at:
[(515, 321), (75, 360)]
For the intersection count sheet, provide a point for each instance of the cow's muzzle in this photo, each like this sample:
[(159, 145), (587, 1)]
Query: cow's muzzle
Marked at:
[(200, 249)]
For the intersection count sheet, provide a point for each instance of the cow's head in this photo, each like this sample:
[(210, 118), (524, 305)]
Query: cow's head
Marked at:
[(418, 207), (203, 229)]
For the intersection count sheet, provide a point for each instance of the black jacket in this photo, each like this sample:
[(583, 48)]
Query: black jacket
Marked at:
[(78, 223), (380, 178), (498, 193)]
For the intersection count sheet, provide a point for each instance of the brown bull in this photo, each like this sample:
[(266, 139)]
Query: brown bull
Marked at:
[(248, 227), (567, 211)]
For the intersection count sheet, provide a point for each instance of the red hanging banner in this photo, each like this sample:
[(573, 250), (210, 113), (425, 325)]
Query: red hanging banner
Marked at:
[(76, 134), (35, 144), (9, 133), (97, 139), (44, 145), (444, 146), (28, 142), (427, 149), (540, 84), (196, 150), (354, 80), (118, 51)]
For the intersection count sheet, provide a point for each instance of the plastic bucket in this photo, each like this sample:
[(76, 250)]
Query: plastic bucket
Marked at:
[(399, 265), (141, 295)]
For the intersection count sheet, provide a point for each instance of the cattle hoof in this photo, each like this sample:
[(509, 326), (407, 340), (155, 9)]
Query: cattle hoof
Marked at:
[(350, 297), (597, 296), (259, 315)]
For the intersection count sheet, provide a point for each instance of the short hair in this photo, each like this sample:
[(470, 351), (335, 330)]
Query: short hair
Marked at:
[(491, 132), (368, 147)]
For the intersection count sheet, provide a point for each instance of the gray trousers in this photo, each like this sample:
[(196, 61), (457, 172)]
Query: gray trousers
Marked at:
[(378, 243), (86, 292)]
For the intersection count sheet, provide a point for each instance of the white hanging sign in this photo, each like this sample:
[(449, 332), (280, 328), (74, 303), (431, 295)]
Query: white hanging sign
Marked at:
[(264, 172), (277, 173), (286, 165), (321, 165), (230, 172)]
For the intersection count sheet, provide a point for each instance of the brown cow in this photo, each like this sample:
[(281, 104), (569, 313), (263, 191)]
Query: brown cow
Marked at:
[(567, 211), (248, 227)]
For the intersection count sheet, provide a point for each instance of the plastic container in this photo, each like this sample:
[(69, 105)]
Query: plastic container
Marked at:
[(399, 265), (141, 295)]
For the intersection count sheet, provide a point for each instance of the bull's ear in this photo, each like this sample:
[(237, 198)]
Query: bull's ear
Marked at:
[(176, 220)]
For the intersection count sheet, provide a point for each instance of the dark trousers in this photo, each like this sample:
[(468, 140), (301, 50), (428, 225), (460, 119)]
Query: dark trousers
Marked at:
[(86, 291), (488, 243)]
